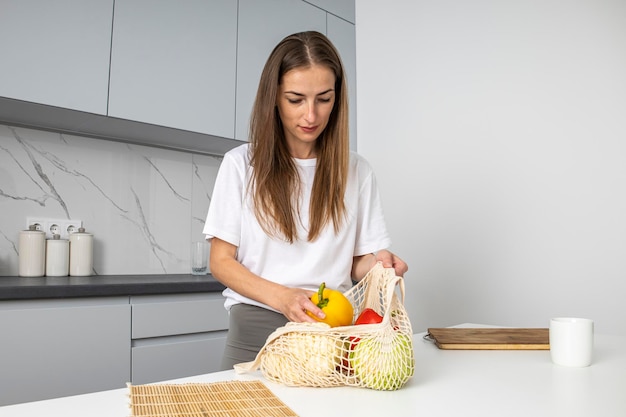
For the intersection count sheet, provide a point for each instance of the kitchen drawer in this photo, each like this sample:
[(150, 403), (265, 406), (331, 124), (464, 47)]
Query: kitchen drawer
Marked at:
[(165, 315), (173, 357)]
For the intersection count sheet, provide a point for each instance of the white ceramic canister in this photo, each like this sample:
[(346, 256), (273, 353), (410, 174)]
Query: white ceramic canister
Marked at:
[(31, 253), (57, 257), (81, 253)]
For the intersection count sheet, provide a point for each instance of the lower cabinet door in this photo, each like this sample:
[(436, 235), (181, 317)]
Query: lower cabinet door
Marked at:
[(56, 348), (163, 358)]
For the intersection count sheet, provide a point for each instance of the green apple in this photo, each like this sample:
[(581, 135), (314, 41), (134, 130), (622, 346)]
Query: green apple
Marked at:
[(383, 363)]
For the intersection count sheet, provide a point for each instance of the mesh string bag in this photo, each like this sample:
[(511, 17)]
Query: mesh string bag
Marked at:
[(377, 356)]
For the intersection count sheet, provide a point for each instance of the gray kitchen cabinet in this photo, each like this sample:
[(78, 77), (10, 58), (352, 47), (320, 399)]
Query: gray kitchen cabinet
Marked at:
[(173, 74), (56, 53), (173, 63), (177, 335), (262, 24), (54, 348), (343, 36), (59, 347), (344, 9)]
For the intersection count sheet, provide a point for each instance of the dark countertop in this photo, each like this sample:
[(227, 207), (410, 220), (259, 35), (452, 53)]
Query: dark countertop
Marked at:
[(22, 288)]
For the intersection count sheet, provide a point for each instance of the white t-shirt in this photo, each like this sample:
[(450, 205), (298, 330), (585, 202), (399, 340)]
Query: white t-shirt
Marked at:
[(300, 264)]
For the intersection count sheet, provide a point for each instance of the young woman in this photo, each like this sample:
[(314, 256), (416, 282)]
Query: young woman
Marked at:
[(294, 207)]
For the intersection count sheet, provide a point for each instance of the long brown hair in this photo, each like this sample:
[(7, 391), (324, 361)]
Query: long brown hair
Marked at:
[(275, 182)]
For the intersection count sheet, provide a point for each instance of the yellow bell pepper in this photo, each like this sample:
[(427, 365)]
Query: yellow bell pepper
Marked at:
[(334, 304)]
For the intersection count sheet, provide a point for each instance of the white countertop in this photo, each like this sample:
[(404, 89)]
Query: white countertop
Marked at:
[(446, 383)]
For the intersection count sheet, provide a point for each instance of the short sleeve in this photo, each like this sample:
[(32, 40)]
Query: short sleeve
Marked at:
[(224, 216), (372, 234)]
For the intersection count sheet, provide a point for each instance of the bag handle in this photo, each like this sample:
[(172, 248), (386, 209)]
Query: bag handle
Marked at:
[(391, 293), (383, 280)]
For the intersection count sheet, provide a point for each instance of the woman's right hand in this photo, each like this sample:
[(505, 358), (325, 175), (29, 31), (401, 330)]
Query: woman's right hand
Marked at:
[(295, 302)]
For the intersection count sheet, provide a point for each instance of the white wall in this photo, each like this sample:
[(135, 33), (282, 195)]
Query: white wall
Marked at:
[(498, 133)]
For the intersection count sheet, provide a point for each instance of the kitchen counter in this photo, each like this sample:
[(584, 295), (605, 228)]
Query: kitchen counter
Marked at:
[(446, 383), (21, 288)]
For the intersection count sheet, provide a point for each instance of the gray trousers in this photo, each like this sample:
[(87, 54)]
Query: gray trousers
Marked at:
[(249, 327)]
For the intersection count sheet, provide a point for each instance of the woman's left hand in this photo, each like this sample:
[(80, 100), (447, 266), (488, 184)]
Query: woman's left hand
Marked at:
[(390, 260), (362, 264)]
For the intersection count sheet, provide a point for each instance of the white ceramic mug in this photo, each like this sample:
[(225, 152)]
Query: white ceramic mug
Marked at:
[(571, 341)]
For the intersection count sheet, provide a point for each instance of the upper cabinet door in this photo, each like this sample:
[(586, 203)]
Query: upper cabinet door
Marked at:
[(344, 9), (56, 52), (262, 24), (342, 35), (173, 63)]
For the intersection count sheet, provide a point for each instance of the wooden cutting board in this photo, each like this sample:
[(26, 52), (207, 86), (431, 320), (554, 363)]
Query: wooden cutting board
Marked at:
[(490, 338)]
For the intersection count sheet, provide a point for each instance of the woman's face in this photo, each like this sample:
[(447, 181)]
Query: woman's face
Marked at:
[(305, 100)]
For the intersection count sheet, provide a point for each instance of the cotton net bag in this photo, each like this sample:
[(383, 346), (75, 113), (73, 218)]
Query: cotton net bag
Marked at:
[(377, 356)]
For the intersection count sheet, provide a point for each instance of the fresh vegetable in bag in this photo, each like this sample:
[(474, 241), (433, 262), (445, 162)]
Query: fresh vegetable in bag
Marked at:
[(371, 355), (368, 316), (334, 304), (384, 363), (308, 356)]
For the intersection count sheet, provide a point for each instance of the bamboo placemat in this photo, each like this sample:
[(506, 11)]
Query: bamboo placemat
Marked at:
[(230, 398)]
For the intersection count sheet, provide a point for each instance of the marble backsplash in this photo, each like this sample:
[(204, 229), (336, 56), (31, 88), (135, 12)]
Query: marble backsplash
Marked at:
[(143, 205)]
